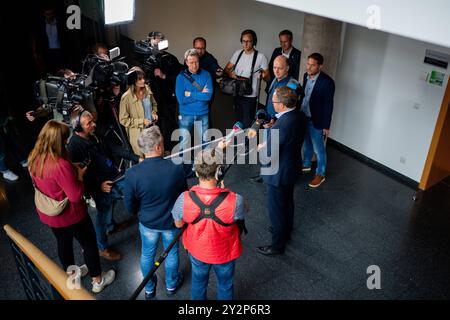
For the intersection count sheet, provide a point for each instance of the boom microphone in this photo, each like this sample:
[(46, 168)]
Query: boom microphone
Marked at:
[(237, 129)]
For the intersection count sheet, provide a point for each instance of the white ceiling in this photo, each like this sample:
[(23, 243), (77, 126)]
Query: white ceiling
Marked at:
[(425, 20)]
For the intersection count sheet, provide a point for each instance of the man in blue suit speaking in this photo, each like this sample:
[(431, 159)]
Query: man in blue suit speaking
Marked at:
[(280, 184)]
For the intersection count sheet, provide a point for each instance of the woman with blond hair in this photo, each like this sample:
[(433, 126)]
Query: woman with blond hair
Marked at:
[(57, 178), (138, 107)]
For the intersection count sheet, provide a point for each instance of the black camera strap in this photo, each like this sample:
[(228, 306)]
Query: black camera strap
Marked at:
[(209, 211), (191, 79), (255, 57)]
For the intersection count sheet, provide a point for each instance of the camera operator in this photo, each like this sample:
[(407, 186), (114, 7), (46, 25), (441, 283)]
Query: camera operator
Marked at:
[(212, 237), (138, 107), (102, 51), (47, 113), (162, 81), (84, 146), (207, 61)]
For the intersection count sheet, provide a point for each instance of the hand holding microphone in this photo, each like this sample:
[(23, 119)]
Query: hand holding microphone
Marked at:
[(237, 129)]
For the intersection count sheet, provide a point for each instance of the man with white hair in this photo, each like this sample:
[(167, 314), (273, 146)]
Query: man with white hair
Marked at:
[(194, 90), (150, 191)]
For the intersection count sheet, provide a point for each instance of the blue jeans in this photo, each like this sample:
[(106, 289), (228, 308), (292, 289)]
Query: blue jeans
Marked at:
[(150, 239), (314, 143), (200, 276), (104, 203), (201, 124)]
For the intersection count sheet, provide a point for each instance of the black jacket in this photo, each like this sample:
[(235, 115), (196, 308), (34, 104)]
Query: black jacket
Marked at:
[(294, 62), (100, 155)]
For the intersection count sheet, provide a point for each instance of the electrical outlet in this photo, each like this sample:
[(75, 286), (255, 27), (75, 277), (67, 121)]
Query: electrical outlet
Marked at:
[(402, 160)]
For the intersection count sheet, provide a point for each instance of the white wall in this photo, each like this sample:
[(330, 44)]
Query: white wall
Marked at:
[(219, 21), (378, 81), (378, 85), (425, 20)]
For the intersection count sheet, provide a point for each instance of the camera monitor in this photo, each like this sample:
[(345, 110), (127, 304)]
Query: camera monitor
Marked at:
[(114, 53), (163, 45)]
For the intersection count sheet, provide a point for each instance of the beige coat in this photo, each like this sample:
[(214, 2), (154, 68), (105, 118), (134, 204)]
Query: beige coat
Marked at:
[(131, 116)]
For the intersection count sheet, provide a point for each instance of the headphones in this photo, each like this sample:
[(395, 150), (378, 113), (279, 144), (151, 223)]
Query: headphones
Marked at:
[(154, 34), (77, 127), (252, 33), (219, 173)]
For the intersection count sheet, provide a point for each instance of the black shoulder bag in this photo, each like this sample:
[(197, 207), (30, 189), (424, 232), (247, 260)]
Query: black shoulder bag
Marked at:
[(241, 86)]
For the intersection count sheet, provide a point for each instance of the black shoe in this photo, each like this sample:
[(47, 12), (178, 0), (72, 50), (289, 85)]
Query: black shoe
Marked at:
[(178, 286), (151, 295), (269, 251), (257, 179)]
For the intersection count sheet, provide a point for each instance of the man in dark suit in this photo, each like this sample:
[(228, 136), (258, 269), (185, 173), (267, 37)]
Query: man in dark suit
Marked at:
[(151, 189), (317, 106), (292, 54), (282, 174)]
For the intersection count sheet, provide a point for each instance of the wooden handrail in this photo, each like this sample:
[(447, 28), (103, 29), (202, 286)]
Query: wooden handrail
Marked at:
[(49, 269)]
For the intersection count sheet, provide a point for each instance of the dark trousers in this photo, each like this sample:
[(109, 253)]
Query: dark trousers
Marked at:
[(281, 214), (8, 140), (245, 110), (84, 233)]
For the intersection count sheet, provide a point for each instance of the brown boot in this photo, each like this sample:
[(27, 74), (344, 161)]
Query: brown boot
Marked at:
[(110, 254), (317, 181)]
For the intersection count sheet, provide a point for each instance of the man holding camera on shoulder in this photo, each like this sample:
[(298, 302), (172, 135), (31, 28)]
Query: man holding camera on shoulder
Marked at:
[(245, 65), (86, 148)]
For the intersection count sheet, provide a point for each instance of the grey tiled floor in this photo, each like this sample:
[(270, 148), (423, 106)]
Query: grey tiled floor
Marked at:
[(358, 218)]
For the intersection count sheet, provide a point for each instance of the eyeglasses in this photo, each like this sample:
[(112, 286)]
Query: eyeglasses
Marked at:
[(200, 48), (246, 41)]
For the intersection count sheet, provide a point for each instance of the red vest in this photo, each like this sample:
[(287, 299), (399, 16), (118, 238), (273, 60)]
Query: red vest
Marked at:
[(207, 240)]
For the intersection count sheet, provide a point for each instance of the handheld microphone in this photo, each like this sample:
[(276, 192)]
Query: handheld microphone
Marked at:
[(237, 129), (261, 118)]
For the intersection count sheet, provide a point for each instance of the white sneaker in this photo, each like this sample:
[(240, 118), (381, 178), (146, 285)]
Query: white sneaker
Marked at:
[(84, 270), (90, 202), (24, 164), (107, 279), (9, 175)]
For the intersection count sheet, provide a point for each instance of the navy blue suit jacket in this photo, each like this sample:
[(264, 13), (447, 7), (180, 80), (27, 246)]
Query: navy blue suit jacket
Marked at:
[(151, 189), (321, 102), (291, 133)]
